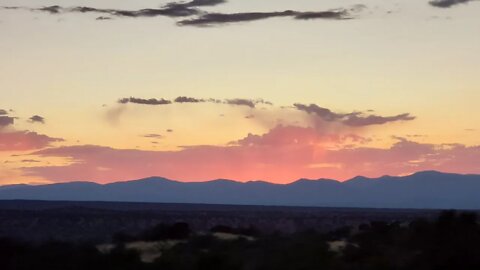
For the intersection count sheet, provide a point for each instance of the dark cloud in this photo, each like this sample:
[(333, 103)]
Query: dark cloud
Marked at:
[(324, 113), (210, 19), (354, 119), (198, 3), (174, 9), (223, 18), (182, 99), (169, 130), (360, 121), (37, 119), (188, 100), (179, 10), (335, 15), (152, 101), (188, 9), (241, 102), (51, 9), (6, 121), (252, 103), (448, 3), (3, 112), (103, 18)]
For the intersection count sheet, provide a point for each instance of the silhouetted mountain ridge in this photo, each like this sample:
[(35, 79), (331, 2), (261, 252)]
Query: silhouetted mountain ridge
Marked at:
[(427, 189)]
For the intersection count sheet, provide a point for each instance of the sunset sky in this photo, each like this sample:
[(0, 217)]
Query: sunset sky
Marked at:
[(275, 90)]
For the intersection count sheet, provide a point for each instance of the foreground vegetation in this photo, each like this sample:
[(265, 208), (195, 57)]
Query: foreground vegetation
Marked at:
[(452, 241)]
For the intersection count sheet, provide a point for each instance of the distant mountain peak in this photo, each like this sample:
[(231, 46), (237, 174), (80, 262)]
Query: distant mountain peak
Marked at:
[(152, 179), (431, 173), (313, 181), (223, 181)]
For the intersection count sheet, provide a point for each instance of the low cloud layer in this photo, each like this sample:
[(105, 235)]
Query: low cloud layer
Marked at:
[(448, 3), (284, 154), (354, 119)]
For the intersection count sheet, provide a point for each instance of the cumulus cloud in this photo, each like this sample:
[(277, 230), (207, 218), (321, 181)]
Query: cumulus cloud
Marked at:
[(283, 154), (37, 119), (151, 101), (448, 3), (354, 119), (24, 141)]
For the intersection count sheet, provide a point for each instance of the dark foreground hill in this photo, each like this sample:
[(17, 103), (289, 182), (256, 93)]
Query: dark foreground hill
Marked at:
[(447, 241), (423, 190), (37, 221)]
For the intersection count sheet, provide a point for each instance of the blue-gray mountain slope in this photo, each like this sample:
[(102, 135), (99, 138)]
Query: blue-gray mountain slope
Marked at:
[(427, 189)]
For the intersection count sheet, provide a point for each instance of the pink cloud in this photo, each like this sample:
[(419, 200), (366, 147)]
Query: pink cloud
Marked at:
[(24, 141), (282, 155)]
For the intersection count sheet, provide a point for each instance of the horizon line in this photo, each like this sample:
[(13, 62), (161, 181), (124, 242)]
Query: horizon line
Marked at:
[(233, 180)]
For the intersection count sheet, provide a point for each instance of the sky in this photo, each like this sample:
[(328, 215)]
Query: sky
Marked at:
[(274, 90)]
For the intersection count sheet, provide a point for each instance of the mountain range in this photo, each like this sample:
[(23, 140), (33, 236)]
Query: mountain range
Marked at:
[(422, 190)]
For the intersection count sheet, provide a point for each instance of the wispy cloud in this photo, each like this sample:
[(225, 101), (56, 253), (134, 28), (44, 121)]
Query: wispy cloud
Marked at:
[(151, 101), (448, 3), (361, 121), (354, 119), (211, 19), (200, 17), (174, 9), (182, 99)]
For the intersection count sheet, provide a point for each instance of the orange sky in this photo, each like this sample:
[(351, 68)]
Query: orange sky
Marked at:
[(382, 88)]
